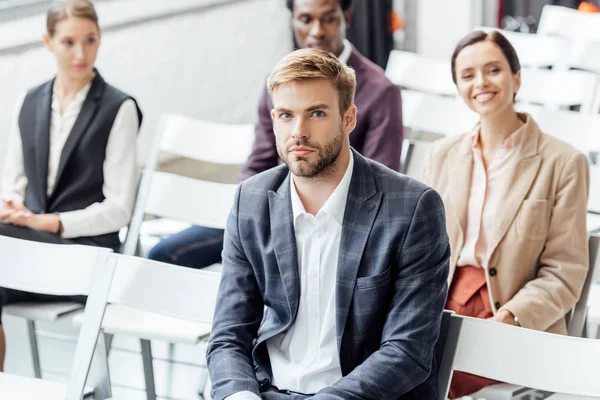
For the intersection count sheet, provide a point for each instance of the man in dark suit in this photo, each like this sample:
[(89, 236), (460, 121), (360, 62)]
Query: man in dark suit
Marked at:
[(334, 266), (378, 134)]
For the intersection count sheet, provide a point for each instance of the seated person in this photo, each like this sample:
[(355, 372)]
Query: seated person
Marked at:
[(378, 135), (70, 174), (515, 200), (334, 267)]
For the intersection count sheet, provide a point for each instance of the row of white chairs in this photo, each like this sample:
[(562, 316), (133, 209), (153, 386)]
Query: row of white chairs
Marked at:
[(447, 116), (108, 279), (514, 355), (175, 200), (547, 88)]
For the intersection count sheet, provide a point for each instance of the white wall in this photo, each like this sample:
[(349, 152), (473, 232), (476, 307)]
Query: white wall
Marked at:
[(442, 23), (210, 65)]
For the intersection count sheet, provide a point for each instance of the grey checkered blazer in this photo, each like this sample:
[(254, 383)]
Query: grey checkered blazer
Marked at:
[(391, 286)]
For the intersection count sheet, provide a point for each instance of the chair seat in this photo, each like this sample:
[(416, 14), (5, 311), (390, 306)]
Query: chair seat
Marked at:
[(125, 320), (16, 387), (48, 312)]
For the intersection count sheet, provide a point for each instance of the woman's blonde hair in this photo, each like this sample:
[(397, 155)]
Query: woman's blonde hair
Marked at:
[(308, 64), (64, 9)]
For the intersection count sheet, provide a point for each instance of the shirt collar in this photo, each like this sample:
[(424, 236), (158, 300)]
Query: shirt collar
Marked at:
[(79, 96), (345, 54), (335, 206), (509, 143)]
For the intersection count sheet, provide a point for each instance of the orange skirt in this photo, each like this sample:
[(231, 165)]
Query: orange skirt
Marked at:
[(468, 295)]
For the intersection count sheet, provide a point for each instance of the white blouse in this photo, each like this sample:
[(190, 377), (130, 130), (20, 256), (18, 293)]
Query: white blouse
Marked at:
[(120, 167)]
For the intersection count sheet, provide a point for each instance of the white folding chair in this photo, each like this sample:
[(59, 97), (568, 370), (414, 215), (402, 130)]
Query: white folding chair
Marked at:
[(579, 130), (558, 89), (524, 357), (442, 116), (419, 73), (182, 199), (569, 23), (147, 292), (182, 136), (429, 117), (59, 270), (535, 51), (584, 55)]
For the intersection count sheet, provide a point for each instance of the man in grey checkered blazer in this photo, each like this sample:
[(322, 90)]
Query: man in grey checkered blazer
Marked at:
[(334, 266)]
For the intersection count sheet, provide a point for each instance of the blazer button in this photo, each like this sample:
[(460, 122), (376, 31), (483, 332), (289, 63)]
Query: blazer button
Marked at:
[(497, 305), (492, 271)]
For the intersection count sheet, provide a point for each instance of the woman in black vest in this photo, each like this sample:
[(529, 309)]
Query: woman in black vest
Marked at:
[(70, 172)]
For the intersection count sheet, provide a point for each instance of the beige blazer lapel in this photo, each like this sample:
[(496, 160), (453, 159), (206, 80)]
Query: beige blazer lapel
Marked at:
[(459, 180), (518, 185)]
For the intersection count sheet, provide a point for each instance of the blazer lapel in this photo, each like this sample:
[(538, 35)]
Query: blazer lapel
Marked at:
[(42, 139), (460, 182), (361, 209), (87, 113), (519, 184), (282, 231)]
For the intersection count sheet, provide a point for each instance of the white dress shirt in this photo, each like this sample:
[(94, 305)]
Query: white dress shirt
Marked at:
[(305, 358), (120, 168)]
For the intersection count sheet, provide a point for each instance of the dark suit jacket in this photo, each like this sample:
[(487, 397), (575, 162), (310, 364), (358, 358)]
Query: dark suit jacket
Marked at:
[(390, 288), (378, 134)]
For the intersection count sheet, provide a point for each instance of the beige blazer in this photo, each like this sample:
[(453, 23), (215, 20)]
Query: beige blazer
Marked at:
[(538, 251)]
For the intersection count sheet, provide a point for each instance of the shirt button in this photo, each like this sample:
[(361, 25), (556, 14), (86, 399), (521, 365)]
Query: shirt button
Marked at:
[(493, 271)]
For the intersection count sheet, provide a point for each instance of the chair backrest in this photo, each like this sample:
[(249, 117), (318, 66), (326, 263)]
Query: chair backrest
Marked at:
[(569, 23), (204, 140), (579, 130), (443, 116), (525, 357), (59, 269), (555, 89), (584, 55), (423, 74), (190, 200), (48, 268), (576, 319), (164, 289), (534, 51)]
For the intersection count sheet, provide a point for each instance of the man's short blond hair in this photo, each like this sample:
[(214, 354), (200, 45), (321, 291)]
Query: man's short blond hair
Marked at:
[(306, 64)]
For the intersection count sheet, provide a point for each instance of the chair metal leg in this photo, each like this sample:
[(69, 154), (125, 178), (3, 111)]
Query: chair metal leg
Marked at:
[(148, 369), (35, 354), (99, 377), (108, 338), (407, 150)]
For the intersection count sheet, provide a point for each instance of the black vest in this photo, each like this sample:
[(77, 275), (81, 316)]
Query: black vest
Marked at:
[(80, 175)]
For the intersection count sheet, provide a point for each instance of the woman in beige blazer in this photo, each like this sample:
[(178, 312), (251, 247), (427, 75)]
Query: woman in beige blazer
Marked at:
[(516, 203)]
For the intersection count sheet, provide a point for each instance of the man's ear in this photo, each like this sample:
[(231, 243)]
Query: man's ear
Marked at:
[(47, 41), (273, 114), (350, 119), (348, 17)]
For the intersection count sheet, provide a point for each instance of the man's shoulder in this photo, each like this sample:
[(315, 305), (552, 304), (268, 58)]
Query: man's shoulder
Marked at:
[(395, 184), (262, 182)]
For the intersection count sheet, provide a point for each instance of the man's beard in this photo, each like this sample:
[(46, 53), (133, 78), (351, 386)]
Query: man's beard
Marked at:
[(327, 156)]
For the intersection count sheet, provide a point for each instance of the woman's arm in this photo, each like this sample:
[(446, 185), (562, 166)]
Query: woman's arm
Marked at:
[(564, 261), (14, 181)]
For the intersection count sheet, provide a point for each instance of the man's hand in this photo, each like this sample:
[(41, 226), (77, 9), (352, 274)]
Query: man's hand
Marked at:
[(505, 317)]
